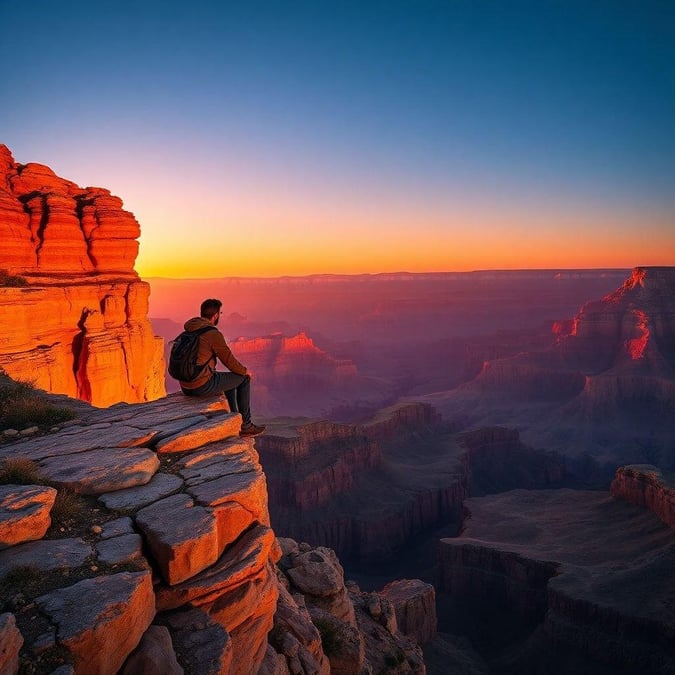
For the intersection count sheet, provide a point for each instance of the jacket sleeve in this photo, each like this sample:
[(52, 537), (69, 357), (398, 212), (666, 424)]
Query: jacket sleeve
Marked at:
[(224, 353)]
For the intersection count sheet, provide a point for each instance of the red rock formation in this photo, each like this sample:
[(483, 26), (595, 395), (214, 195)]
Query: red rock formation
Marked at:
[(645, 485), (79, 326)]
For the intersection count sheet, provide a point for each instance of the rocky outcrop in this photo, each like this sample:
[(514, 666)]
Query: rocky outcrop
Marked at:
[(397, 472), (24, 513), (414, 603), (325, 626), (73, 312), (646, 485), (497, 460), (214, 556), (575, 578), (171, 567)]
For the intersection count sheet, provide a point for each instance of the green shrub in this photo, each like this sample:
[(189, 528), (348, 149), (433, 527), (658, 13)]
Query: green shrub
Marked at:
[(20, 471), (12, 280), (22, 406)]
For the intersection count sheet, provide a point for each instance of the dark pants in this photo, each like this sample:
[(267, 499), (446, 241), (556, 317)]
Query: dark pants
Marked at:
[(237, 388)]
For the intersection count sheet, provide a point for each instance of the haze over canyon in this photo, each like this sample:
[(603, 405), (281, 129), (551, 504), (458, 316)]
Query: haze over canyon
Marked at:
[(488, 455)]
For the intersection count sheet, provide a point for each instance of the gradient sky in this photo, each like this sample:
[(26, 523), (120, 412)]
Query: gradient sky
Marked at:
[(267, 138)]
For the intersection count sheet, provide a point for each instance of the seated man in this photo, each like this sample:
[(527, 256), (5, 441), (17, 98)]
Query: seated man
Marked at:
[(236, 384)]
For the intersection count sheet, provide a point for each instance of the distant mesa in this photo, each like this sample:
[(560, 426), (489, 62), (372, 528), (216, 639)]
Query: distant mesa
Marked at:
[(73, 311)]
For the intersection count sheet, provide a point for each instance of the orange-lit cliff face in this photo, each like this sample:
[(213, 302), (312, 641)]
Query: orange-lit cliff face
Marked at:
[(635, 324), (73, 312)]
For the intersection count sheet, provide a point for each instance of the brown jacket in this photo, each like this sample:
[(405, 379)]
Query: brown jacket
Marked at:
[(212, 346)]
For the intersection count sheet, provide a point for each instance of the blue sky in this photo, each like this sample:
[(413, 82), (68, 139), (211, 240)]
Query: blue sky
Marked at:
[(514, 131)]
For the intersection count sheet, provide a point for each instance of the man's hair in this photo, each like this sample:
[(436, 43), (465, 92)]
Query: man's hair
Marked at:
[(210, 308)]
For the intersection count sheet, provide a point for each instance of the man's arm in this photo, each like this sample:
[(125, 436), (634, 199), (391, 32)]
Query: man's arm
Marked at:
[(224, 353)]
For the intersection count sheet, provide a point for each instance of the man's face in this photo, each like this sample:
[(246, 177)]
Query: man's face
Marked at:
[(215, 323)]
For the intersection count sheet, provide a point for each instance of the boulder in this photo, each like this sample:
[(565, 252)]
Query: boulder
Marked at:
[(24, 513), (153, 656), (45, 555), (183, 537), (202, 644), (101, 632), (318, 575), (131, 499)]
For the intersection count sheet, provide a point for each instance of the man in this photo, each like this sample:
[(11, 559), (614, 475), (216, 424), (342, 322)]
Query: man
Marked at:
[(236, 384)]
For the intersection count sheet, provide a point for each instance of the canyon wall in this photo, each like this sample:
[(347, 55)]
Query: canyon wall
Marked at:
[(561, 581), (73, 312), (366, 489)]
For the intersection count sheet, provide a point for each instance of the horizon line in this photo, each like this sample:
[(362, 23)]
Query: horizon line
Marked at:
[(415, 274)]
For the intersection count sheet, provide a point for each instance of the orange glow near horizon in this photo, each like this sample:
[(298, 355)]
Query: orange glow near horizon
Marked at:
[(297, 246)]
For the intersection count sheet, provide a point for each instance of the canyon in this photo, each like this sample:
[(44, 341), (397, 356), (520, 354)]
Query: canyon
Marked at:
[(436, 468), (73, 312), (164, 560), (602, 394)]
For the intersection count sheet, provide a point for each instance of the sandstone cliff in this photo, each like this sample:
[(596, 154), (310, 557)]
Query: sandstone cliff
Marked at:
[(73, 312), (141, 543)]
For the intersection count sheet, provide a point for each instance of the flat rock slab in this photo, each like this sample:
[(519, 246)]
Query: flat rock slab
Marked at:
[(73, 440), (120, 550), (117, 527), (24, 513), (248, 489), (162, 410), (100, 621), (131, 499), (154, 654), (242, 561), (183, 538), (45, 555), (215, 429), (214, 453), (102, 470), (215, 468)]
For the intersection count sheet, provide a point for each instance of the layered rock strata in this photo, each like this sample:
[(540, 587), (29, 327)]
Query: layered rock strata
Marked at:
[(603, 390), (362, 490), (73, 312), (160, 558), (588, 578), (325, 626), (646, 485), (179, 538)]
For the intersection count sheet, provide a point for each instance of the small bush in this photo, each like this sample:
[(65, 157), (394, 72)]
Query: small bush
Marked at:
[(394, 660), (20, 471), (22, 406), (67, 507), (12, 280)]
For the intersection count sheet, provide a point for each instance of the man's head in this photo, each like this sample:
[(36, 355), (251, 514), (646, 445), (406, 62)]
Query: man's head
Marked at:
[(210, 309)]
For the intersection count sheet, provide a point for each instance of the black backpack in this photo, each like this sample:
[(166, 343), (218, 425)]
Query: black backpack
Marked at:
[(183, 364)]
